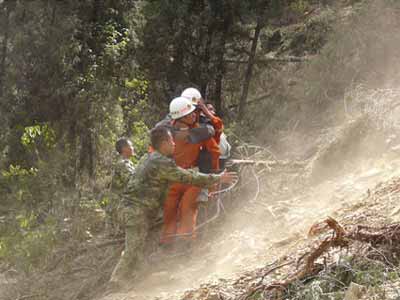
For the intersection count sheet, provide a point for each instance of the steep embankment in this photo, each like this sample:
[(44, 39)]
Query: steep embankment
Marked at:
[(368, 260), (276, 208), (228, 262), (351, 177)]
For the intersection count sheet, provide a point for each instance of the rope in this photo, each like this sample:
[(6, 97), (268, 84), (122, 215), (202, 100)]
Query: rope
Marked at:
[(232, 186), (255, 199), (220, 192), (257, 183), (220, 207)]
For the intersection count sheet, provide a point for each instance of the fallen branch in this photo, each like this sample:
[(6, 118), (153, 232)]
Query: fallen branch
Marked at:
[(29, 296), (389, 234), (62, 254), (268, 59), (93, 281), (102, 245), (260, 287), (375, 236), (310, 268)]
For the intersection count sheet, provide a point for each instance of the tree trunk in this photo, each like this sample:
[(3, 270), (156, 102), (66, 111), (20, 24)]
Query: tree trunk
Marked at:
[(250, 66), (220, 74), (226, 22), (206, 59), (85, 124), (4, 50), (175, 75)]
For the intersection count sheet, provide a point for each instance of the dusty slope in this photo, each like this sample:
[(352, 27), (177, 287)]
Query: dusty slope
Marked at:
[(253, 237), (247, 239), (378, 206), (352, 159)]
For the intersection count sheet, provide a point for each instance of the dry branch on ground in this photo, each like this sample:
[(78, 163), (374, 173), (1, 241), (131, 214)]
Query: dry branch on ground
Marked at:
[(388, 235)]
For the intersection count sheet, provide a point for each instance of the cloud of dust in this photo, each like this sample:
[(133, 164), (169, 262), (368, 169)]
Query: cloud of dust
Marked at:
[(357, 77), (349, 93), (357, 80)]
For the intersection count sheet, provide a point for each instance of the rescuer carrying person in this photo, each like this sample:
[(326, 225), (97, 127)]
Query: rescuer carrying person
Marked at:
[(206, 117), (181, 207), (145, 195)]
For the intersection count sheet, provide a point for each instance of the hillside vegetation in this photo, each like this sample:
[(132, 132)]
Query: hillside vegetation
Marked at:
[(315, 84)]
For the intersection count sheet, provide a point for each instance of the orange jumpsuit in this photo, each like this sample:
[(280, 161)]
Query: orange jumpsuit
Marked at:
[(180, 206), (218, 127)]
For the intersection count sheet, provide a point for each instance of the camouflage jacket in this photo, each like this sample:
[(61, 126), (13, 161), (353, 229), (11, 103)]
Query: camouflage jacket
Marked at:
[(154, 173), (123, 170)]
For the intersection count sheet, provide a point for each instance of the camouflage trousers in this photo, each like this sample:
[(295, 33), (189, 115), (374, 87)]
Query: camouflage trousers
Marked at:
[(137, 222), (114, 219)]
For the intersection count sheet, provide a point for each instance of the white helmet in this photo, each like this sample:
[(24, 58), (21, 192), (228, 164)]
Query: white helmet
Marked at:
[(180, 107), (192, 94)]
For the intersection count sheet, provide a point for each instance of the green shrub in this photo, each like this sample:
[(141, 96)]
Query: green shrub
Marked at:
[(25, 244)]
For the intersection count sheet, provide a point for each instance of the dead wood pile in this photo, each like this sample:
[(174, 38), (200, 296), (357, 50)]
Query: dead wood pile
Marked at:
[(313, 261)]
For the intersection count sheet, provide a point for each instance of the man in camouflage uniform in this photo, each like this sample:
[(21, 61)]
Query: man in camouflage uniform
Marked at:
[(144, 196), (122, 171)]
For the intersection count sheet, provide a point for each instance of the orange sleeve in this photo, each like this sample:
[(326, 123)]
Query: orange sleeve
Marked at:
[(212, 147), (218, 127)]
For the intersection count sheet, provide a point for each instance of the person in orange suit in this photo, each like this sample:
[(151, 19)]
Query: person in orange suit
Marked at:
[(180, 206), (206, 115)]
